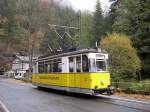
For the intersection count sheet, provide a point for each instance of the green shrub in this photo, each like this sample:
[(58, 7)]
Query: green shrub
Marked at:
[(134, 87)]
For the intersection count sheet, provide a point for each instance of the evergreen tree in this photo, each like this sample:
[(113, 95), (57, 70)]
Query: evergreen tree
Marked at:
[(98, 24), (141, 37), (133, 19), (113, 10)]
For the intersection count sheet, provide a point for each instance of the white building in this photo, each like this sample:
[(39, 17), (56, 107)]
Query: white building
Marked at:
[(20, 66), (21, 63)]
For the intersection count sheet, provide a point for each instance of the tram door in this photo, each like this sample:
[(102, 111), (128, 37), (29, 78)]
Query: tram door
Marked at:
[(78, 74), (85, 75), (75, 67), (71, 75)]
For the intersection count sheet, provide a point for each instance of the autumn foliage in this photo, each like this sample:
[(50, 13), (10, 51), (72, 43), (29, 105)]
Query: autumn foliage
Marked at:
[(124, 62)]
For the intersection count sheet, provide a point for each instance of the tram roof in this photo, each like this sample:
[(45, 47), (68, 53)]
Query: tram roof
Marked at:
[(81, 51)]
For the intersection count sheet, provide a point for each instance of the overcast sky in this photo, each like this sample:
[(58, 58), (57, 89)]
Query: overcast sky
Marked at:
[(88, 4)]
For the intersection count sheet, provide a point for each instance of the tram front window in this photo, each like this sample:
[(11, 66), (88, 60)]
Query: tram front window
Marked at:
[(101, 66), (97, 65)]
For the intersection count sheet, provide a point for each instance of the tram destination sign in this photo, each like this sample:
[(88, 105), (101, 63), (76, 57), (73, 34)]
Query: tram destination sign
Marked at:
[(49, 77), (100, 56)]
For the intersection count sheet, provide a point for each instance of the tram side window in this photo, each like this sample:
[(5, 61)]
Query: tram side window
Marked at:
[(41, 67), (85, 67), (78, 63), (45, 68), (50, 67), (57, 66), (92, 67), (71, 64)]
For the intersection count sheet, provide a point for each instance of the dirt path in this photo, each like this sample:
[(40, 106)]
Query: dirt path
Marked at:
[(145, 98)]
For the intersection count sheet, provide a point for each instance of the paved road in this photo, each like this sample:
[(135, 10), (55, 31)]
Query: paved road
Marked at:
[(20, 97)]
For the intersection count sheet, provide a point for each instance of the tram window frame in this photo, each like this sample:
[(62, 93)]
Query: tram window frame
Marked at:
[(85, 64), (103, 68), (45, 67), (50, 68), (92, 65), (71, 64), (73, 58), (57, 66), (40, 67), (78, 64)]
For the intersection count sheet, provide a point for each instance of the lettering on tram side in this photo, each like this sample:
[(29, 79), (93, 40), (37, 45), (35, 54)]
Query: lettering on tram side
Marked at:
[(49, 77)]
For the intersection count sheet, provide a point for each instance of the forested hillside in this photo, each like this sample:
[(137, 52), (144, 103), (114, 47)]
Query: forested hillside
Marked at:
[(131, 17), (24, 26)]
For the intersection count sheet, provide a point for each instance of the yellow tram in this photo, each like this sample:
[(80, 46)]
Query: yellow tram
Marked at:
[(83, 71)]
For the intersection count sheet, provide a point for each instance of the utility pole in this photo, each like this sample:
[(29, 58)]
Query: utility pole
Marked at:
[(29, 57), (79, 25)]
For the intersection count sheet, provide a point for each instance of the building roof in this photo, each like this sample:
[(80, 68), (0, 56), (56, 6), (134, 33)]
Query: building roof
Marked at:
[(23, 59)]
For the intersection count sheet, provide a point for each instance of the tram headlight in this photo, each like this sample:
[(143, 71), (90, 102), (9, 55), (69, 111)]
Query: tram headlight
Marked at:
[(103, 82)]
